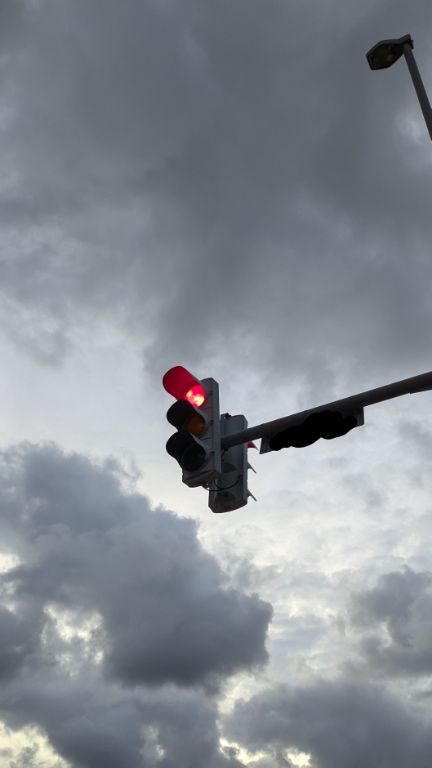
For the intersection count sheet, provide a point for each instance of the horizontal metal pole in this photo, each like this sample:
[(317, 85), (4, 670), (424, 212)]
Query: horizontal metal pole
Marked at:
[(421, 383)]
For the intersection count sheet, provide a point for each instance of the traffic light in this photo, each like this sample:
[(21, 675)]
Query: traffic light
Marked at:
[(196, 444), (230, 491), (212, 449), (326, 424)]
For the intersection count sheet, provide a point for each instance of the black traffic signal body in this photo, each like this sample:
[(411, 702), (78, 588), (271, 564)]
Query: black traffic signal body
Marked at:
[(230, 491), (196, 444), (326, 424)]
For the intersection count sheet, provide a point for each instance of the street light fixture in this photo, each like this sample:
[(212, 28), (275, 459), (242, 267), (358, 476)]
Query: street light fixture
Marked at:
[(384, 53)]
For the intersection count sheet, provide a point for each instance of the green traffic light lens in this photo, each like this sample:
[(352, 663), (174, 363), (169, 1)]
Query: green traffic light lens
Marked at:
[(193, 458)]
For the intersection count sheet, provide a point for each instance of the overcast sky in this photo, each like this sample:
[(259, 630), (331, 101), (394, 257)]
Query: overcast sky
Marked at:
[(225, 185)]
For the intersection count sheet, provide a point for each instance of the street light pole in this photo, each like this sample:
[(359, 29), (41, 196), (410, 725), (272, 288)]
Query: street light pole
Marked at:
[(386, 52), (418, 85)]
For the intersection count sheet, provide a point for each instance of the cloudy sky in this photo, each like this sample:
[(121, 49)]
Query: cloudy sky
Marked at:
[(222, 184)]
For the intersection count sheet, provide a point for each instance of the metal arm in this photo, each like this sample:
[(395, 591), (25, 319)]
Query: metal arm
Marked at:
[(421, 383)]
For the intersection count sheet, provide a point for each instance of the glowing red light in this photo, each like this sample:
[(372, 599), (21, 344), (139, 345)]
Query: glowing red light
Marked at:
[(183, 385), (195, 395)]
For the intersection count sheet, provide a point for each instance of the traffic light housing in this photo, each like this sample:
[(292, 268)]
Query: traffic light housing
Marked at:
[(327, 424), (230, 491), (196, 444)]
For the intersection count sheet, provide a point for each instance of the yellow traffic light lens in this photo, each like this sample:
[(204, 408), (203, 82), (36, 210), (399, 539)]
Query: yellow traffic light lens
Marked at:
[(195, 424), (182, 415)]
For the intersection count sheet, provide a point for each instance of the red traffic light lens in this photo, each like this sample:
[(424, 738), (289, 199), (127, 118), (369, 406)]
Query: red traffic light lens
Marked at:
[(183, 385), (195, 395)]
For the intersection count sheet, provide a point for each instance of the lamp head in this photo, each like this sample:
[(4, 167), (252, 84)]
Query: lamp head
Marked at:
[(386, 52)]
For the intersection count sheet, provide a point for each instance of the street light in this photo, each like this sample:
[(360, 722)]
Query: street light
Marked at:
[(386, 52)]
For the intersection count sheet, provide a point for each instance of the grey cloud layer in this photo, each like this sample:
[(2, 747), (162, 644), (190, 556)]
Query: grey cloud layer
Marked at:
[(93, 725), (212, 159), (85, 545), (167, 615), (229, 171), (342, 725), (394, 620)]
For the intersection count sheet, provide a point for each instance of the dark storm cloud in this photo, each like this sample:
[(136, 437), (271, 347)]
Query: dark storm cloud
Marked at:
[(394, 620), (94, 725), (164, 617), (87, 546), (341, 725), (19, 639), (232, 161)]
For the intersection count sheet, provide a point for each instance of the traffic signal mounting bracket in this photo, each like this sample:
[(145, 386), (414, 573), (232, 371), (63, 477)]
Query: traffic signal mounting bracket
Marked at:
[(230, 491)]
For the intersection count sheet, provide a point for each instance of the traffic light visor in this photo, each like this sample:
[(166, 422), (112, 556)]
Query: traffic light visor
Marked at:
[(183, 385)]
